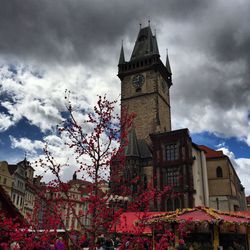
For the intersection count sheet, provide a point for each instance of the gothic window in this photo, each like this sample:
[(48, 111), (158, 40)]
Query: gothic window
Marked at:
[(172, 177), (172, 152), (145, 182), (173, 204), (169, 205), (219, 172), (177, 203)]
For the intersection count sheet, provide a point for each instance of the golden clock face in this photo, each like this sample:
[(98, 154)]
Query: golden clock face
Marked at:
[(137, 81)]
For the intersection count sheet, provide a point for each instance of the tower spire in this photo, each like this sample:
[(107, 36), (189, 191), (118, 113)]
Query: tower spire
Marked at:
[(122, 57), (168, 63), (149, 38)]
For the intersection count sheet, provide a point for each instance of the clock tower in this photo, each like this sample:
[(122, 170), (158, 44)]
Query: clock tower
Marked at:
[(155, 154), (145, 83)]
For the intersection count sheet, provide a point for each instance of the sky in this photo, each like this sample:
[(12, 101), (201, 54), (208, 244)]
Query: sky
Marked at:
[(49, 46)]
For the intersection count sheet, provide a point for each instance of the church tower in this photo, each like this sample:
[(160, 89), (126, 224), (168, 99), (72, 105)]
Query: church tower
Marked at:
[(156, 154), (145, 83)]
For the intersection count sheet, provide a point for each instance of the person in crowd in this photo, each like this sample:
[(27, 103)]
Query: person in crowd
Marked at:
[(14, 246), (182, 245), (109, 244), (60, 244)]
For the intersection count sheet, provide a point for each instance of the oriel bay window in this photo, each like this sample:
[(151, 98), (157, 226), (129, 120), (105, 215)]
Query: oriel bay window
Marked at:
[(172, 151), (172, 176)]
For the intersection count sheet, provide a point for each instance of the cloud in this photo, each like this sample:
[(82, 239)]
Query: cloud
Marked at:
[(5, 122), (243, 172), (40, 97), (49, 46), (68, 31), (27, 145)]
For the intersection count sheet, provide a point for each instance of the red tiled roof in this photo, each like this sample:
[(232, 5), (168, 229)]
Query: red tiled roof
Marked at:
[(200, 214), (210, 153)]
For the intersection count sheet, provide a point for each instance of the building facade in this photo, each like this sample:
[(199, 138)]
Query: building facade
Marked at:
[(156, 153), (225, 189), (17, 180), (6, 179)]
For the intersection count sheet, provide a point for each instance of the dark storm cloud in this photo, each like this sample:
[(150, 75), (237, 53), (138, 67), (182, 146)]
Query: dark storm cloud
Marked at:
[(90, 32), (71, 30)]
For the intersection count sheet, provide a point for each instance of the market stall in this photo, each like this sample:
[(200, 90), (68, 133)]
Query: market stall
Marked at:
[(205, 228)]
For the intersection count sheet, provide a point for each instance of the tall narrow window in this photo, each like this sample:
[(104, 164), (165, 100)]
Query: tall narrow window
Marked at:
[(172, 152), (217, 204), (145, 182), (177, 203), (172, 177), (219, 172), (169, 205)]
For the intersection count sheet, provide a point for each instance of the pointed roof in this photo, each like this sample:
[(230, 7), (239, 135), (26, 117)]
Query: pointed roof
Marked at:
[(8, 207), (12, 168), (137, 148), (144, 149), (132, 147), (122, 57), (168, 65), (146, 44)]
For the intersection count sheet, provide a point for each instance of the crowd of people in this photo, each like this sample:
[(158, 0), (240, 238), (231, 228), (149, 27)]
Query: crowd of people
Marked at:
[(109, 243)]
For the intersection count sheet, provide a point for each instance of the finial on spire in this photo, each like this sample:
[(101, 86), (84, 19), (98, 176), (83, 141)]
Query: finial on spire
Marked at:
[(149, 22), (140, 25)]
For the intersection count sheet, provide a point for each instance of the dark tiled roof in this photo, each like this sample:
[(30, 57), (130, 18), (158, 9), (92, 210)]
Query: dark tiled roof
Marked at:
[(146, 44), (144, 149), (137, 148), (12, 169), (132, 148), (8, 206)]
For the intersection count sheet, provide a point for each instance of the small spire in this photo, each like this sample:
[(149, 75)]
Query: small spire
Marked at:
[(168, 63), (25, 156), (74, 176), (140, 25), (148, 22), (122, 57)]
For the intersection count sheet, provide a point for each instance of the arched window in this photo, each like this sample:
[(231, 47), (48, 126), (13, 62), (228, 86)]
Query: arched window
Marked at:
[(219, 173)]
